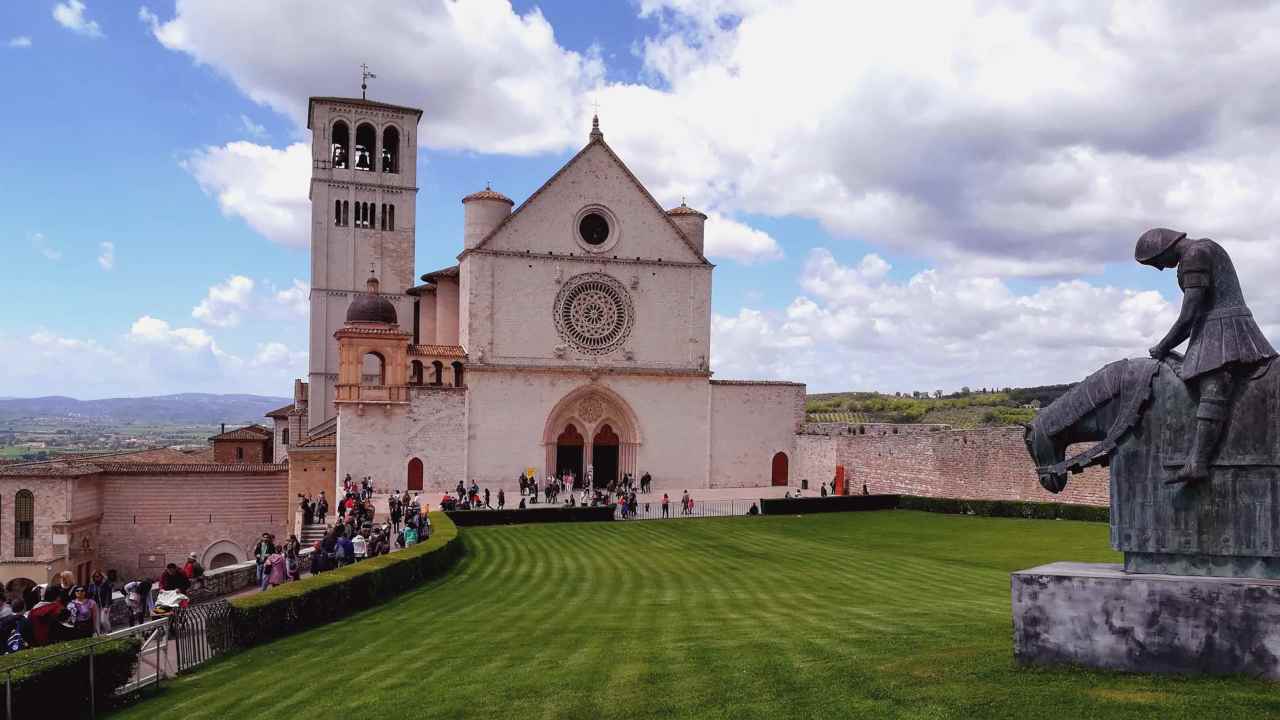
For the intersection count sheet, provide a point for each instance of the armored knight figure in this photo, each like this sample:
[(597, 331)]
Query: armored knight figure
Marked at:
[(1225, 340)]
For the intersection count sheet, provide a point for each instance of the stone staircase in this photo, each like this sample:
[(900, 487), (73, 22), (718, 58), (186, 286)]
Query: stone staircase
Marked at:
[(311, 533)]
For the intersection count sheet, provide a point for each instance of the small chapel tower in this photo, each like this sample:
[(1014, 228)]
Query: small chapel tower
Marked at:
[(364, 187)]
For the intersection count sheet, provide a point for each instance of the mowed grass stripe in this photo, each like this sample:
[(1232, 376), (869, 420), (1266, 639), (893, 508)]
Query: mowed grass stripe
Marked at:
[(887, 614)]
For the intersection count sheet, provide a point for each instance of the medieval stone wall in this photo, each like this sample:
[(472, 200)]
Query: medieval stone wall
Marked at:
[(149, 520), (380, 441), (253, 452), (982, 464), (750, 422)]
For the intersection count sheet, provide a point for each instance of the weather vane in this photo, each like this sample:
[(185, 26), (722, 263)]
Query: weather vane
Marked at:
[(365, 76)]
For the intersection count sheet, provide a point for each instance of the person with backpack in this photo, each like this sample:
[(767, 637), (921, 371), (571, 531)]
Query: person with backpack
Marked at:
[(15, 629)]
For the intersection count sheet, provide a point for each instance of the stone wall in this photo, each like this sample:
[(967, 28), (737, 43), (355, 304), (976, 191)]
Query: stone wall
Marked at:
[(157, 517), (750, 423), (983, 464), (251, 451), (380, 440)]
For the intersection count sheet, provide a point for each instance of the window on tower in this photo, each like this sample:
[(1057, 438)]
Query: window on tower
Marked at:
[(383, 226), (340, 142), (372, 216), (346, 215), (366, 139), (337, 213), (391, 217), (391, 150)]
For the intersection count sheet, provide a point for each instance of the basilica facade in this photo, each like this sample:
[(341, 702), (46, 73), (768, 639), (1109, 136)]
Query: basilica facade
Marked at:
[(572, 335)]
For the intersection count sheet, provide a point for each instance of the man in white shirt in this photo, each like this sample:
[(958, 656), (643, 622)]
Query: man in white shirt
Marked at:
[(360, 546)]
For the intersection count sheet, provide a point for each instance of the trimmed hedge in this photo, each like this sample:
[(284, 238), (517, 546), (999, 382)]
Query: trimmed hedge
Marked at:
[(59, 686), (1006, 508), (323, 598), (831, 503), (474, 518)]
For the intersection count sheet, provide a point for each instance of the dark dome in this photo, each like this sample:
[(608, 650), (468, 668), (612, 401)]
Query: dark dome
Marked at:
[(372, 307)]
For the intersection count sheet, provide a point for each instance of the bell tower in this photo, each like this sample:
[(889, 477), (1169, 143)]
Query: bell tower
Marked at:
[(364, 188)]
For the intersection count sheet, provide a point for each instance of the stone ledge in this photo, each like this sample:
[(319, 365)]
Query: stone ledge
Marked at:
[(1098, 616)]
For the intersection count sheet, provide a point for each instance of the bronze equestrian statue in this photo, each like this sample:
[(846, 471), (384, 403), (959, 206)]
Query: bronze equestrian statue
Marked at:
[(1225, 340), (1166, 424)]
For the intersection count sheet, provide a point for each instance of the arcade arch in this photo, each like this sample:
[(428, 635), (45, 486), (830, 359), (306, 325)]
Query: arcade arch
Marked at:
[(592, 427)]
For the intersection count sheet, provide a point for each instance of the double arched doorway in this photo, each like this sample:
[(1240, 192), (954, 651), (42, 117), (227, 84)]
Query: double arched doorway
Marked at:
[(592, 430)]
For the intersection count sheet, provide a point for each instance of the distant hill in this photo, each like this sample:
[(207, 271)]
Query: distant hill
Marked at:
[(193, 408), (983, 408)]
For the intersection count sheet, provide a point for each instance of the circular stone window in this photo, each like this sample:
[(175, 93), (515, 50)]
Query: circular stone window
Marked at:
[(593, 229), (594, 313)]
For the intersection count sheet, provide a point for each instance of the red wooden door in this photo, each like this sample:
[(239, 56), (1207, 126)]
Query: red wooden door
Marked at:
[(415, 475), (780, 469)]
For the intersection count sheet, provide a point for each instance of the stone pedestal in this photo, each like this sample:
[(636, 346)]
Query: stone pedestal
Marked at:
[(1099, 616)]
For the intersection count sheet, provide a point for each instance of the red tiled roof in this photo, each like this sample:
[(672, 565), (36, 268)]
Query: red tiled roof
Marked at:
[(127, 468), (449, 272), (683, 209), (248, 432), (488, 194), (453, 351), (282, 412)]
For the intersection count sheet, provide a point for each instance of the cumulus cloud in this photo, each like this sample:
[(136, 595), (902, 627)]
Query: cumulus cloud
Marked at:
[(20, 41), (494, 80), (278, 355), (856, 327), (225, 302), (71, 15), (106, 255), (264, 186), (294, 299), (727, 238)]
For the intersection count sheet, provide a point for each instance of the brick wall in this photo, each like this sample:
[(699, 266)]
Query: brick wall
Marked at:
[(984, 464), (253, 451), (170, 513)]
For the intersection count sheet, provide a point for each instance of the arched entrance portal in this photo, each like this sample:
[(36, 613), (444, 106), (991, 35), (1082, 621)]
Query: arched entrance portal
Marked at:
[(780, 469), (604, 456), (592, 427), (569, 446), (414, 479)]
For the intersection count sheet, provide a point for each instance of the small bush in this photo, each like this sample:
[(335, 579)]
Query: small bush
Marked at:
[(331, 595), (1006, 508), (59, 686)]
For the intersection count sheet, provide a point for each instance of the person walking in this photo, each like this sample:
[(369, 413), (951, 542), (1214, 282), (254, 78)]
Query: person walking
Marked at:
[(486, 499), (261, 551), (684, 503), (666, 506), (502, 499)]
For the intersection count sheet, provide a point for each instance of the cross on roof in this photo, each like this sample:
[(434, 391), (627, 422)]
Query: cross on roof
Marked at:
[(365, 76)]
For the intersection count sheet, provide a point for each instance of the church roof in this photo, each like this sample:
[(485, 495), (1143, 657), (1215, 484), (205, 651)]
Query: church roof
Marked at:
[(597, 138), (683, 209), (449, 272), (360, 101), (455, 351), (420, 289), (372, 306), (281, 412), (488, 194), (249, 432)]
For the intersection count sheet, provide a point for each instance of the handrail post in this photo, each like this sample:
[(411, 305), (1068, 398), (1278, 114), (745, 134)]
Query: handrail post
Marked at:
[(8, 694), (93, 695)]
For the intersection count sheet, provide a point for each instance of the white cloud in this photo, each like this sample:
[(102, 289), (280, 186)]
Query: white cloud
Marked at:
[(278, 355), (492, 79), (251, 127), (20, 41), (42, 246), (265, 187), (295, 299), (71, 15), (856, 328), (225, 303), (107, 255), (726, 238)]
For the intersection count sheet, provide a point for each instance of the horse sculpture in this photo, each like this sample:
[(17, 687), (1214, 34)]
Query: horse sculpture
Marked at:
[(1137, 413)]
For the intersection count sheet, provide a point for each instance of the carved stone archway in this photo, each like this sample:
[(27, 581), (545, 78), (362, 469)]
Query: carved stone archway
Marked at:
[(590, 409)]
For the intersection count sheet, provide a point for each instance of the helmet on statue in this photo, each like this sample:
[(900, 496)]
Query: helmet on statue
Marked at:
[(1154, 243)]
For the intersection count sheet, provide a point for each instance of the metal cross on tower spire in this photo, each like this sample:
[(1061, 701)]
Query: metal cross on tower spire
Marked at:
[(365, 76)]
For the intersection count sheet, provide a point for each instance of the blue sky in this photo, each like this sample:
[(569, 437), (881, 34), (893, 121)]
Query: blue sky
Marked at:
[(108, 123)]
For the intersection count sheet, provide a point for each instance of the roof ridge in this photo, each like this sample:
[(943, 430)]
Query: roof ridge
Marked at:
[(630, 175)]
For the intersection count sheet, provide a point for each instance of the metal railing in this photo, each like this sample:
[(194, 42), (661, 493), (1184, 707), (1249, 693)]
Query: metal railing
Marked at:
[(153, 665), (652, 509), (202, 632)]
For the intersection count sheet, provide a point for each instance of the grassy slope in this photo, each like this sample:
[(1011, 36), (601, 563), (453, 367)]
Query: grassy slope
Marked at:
[(891, 614)]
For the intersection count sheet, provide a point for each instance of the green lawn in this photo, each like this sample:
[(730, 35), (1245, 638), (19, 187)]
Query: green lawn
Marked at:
[(887, 614)]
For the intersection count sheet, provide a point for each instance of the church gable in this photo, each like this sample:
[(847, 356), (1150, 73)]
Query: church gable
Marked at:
[(593, 206)]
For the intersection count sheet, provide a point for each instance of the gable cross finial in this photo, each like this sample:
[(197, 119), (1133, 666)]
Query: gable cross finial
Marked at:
[(595, 122), (365, 77)]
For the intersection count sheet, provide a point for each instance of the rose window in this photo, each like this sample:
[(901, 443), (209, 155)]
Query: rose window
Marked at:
[(593, 313)]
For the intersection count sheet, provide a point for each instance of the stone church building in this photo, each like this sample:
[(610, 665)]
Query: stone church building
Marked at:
[(573, 334)]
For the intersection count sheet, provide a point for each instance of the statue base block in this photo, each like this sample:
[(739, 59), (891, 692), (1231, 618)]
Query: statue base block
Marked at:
[(1099, 616)]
